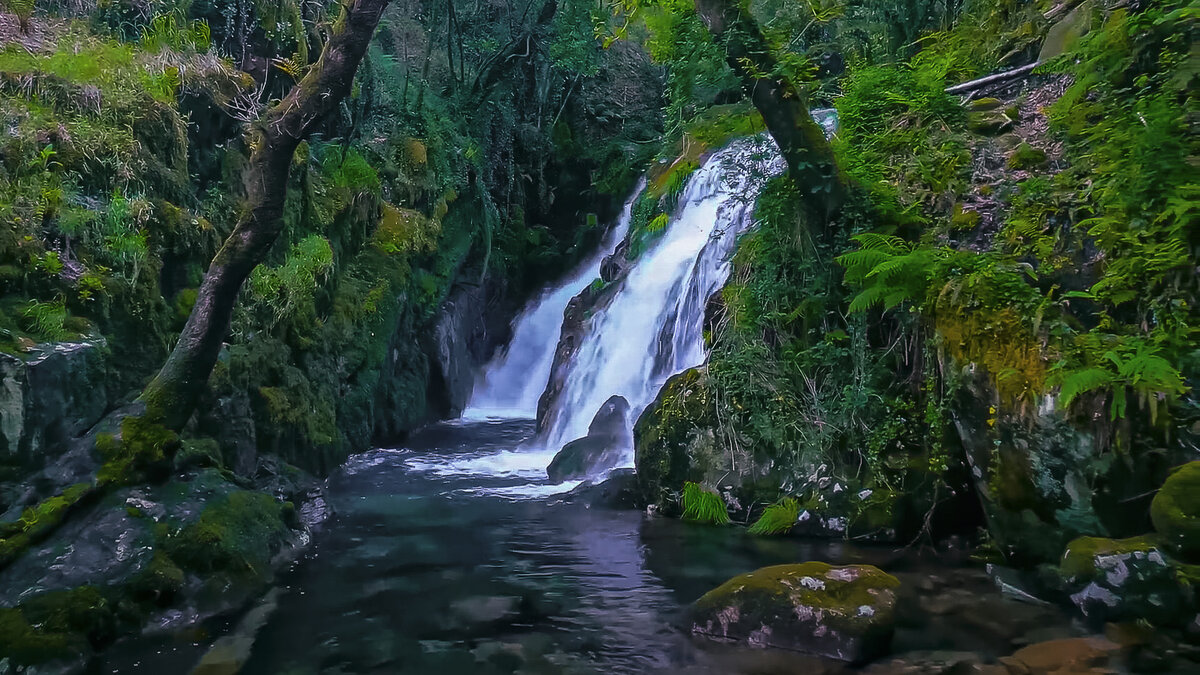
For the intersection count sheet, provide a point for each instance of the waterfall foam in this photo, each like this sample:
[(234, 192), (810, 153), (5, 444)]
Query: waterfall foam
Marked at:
[(653, 326), (510, 385)]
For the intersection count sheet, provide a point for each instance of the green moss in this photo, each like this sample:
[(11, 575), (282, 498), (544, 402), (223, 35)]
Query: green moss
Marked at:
[(1079, 558), (83, 610), (963, 219), (158, 583), (703, 506), (838, 591), (985, 104), (1026, 157), (143, 451), (237, 534), (777, 518), (1176, 511), (37, 522), (199, 452), (25, 645)]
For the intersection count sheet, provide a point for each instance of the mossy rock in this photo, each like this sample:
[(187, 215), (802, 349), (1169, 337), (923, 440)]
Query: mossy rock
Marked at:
[(985, 104), (846, 613), (989, 122), (158, 583), (24, 645), (1175, 512), (1026, 157), (83, 611), (964, 219), (1123, 579), (671, 436), (236, 534), (1063, 35)]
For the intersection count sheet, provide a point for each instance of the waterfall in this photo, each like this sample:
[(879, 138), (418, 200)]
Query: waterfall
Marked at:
[(509, 386), (653, 326)]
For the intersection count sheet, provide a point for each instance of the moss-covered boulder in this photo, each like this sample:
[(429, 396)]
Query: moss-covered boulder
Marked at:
[(1176, 512), (1123, 579), (844, 613), (237, 534), (673, 437)]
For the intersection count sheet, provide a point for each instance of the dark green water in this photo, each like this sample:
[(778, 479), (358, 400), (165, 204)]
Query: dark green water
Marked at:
[(452, 556)]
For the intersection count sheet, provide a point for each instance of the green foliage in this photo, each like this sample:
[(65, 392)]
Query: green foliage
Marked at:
[(46, 320), (23, 10), (777, 518), (289, 289), (169, 31), (703, 506), (1134, 365), (894, 139)]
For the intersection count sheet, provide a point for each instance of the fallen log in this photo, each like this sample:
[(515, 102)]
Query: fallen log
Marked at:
[(990, 79)]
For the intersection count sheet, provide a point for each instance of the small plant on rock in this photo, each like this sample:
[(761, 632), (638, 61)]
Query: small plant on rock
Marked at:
[(703, 506), (778, 518)]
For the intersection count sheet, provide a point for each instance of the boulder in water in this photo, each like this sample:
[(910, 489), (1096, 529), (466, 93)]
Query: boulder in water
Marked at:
[(608, 438), (844, 613), (618, 491), (1123, 580)]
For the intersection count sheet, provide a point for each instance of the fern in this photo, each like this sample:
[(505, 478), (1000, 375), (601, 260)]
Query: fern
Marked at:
[(703, 506), (658, 223), (294, 66), (1079, 382), (1138, 367), (46, 320), (778, 518), (889, 271)]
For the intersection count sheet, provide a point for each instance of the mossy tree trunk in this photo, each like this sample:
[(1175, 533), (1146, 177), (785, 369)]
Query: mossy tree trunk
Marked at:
[(172, 396), (802, 141)]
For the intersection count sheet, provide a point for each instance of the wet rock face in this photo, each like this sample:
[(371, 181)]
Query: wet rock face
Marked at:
[(845, 613), (607, 440), (618, 491), (49, 399)]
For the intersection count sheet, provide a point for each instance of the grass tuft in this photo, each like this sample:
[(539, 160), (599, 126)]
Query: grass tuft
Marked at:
[(703, 506), (778, 518)]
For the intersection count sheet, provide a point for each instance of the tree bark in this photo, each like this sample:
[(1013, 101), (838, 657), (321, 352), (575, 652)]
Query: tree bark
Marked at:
[(172, 396), (801, 140)]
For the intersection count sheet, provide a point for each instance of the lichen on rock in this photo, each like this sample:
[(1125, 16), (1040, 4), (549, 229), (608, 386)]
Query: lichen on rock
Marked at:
[(845, 613)]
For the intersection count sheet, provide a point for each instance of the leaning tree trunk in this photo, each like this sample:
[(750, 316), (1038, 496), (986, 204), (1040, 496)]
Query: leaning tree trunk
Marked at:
[(172, 396), (802, 141)]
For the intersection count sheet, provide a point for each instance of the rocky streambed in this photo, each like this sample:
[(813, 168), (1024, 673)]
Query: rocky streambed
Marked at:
[(455, 554)]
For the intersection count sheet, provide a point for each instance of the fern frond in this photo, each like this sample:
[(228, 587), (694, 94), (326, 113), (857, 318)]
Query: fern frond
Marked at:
[(658, 223), (1079, 382)]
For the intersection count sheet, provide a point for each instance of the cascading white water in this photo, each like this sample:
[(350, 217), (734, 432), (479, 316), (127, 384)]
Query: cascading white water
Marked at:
[(653, 327), (509, 387)]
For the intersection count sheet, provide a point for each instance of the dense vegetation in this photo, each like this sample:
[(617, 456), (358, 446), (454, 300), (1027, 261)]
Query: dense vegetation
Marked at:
[(970, 312), (1001, 327)]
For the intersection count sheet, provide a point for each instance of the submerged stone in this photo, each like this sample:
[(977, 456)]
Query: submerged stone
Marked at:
[(607, 440), (1070, 655), (845, 613)]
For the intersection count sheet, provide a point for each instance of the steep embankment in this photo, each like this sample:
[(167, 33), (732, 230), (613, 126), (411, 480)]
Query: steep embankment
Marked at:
[(1006, 341), (461, 175)]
